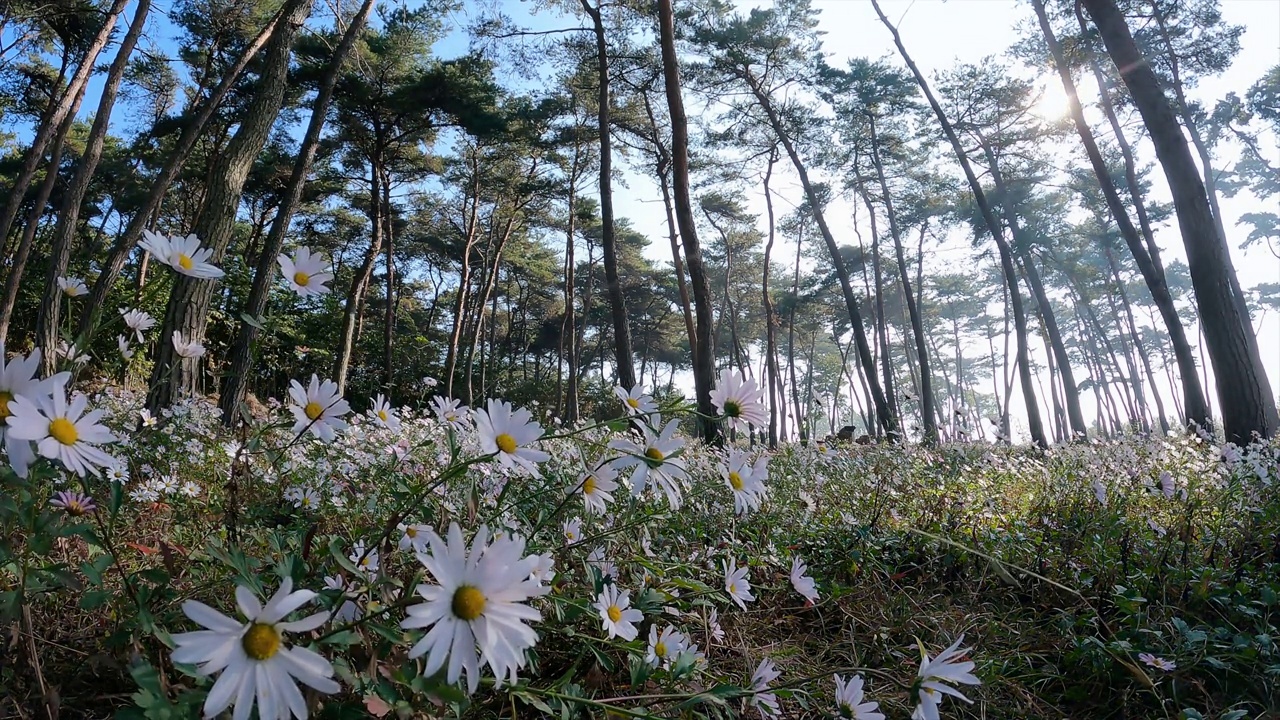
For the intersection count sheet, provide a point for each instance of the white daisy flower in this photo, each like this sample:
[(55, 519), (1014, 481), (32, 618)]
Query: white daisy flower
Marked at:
[(736, 583), (657, 460), (303, 498), (430, 381), (185, 349), (72, 287), (507, 434), (18, 377), (182, 254), (62, 431), (365, 559), (739, 400), (383, 414), (306, 272), (413, 536), (608, 571), (148, 420), (636, 401), (137, 321), (543, 568), (190, 489), (801, 581), (745, 480), (318, 408), (713, 626), (762, 699), (596, 488), (851, 703), (572, 531), (1100, 491), (477, 605), (71, 353), (257, 667), (122, 343), (451, 412), (117, 473), (934, 676), (664, 646), (1158, 663), (616, 613)]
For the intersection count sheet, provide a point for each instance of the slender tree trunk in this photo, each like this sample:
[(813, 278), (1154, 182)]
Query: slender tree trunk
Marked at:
[(177, 158), (464, 277), (569, 329), (623, 362), (1137, 339), (236, 382), (704, 354), (1244, 392), (773, 381), (881, 320), (1034, 423)]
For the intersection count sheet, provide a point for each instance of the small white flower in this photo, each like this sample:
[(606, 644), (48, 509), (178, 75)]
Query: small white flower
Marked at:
[(17, 377), (413, 536), (72, 287), (736, 583), (1168, 486), (62, 431), (71, 353), (664, 646), (616, 613), (122, 343), (762, 699), (739, 400), (1158, 663), (148, 420), (430, 381), (190, 489), (543, 568), (572, 531), (256, 665), (183, 348), (1100, 491), (383, 414), (451, 412), (182, 254), (636, 401), (934, 676), (365, 559), (596, 488), (318, 408), (802, 582), (306, 272), (656, 460), (745, 480), (137, 321), (507, 434), (476, 605), (851, 703)]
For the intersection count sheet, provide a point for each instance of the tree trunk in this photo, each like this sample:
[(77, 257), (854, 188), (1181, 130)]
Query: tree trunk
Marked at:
[(569, 329), (1137, 339), (48, 318), (127, 240), (1034, 423), (464, 276), (236, 382), (353, 306), (389, 320), (1244, 393), (773, 381), (704, 370)]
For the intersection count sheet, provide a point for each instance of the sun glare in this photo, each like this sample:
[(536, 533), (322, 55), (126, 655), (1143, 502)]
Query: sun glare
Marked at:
[(1053, 103)]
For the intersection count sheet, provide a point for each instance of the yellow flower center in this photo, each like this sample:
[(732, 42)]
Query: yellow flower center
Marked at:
[(614, 613), (589, 485), (306, 501), (261, 641), (732, 409), (505, 443), (75, 508), (660, 649), (5, 398), (185, 262), (313, 410), (301, 279), (654, 454), (411, 532), (64, 431), (634, 403), (468, 603), (382, 415), (69, 291), (735, 481)]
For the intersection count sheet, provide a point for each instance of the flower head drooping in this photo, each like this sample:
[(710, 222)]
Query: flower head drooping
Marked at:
[(476, 605), (383, 414), (657, 461), (934, 676), (543, 571), (597, 487), (318, 407), (739, 400), (137, 321), (636, 401), (122, 344), (62, 430), (72, 287), (507, 433), (183, 254), (664, 646), (572, 531), (746, 480), (802, 582), (73, 503), (451, 412), (851, 702), (616, 613), (256, 665), (306, 272), (71, 353), (736, 583), (18, 377), (186, 349), (762, 699)]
